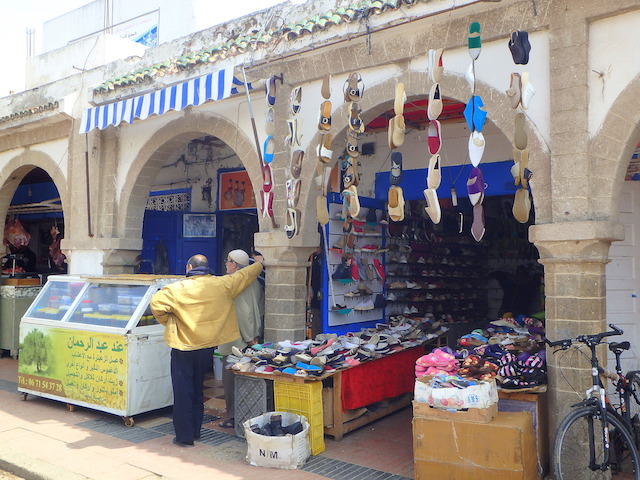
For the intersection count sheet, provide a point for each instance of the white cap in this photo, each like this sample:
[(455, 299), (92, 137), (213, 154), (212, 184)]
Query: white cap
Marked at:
[(240, 257)]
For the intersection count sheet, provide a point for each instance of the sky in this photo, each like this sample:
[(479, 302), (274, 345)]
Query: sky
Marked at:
[(18, 15)]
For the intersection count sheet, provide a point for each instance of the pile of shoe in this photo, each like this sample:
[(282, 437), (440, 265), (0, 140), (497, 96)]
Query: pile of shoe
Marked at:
[(274, 427), (478, 368), (436, 362), (527, 370)]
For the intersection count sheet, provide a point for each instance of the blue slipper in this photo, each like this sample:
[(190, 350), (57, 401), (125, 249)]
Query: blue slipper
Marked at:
[(270, 88), (395, 175), (268, 149), (474, 114)]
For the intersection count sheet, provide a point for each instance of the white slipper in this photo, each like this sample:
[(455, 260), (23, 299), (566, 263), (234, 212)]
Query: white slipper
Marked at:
[(400, 99), (527, 90), (435, 65), (324, 148), (476, 147), (434, 176), (433, 205)]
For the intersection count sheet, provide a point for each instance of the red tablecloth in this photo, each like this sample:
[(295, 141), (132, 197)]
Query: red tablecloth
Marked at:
[(376, 380)]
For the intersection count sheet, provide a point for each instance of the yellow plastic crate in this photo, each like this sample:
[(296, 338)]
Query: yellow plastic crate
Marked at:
[(303, 399)]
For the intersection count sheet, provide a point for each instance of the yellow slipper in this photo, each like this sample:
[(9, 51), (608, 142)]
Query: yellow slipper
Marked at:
[(521, 205), (396, 204)]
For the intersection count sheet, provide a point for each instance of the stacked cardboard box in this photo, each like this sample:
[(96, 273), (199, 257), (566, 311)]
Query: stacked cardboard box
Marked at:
[(457, 449)]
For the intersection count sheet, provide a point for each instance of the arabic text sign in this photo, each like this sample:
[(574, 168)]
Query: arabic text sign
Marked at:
[(86, 366)]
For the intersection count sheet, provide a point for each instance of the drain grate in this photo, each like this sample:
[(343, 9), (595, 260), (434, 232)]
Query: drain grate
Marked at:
[(339, 470), (8, 386), (214, 437), (115, 428)]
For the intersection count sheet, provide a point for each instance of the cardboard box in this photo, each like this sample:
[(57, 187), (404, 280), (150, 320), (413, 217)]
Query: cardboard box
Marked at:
[(536, 403), (288, 452), (504, 449), (475, 415), (476, 396)]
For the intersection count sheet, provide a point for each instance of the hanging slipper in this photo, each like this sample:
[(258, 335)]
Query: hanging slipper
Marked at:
[(324, 148), (527, 90), (470, 76), (352, 145), (270, 89), (295, 131), (267, 181), (434, 175), (519, 134), (515, 168), (324, 122), (295, 101), (477, 227), (269, 125), (350, 169), (476, 147), (395, 175), (434, 138), (291, 228), (396, 204), (521, 205), (355, 120), (433, 205), (322, 211), (520, 47), (353, 88), (398, 130), (325, 89), (474, 41), (435, 65), (390, 135), (514, 91), (293, 192), (474, 114), (523, 163), (296, 163), (269, 148), (354, 201), (267, 204), (434, 108), (475, 186), (400, 99)]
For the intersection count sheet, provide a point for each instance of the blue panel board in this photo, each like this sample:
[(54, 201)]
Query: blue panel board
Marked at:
[(497, 177)]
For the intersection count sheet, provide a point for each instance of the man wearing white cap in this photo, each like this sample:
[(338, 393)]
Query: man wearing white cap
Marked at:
[(198, 314), (250, 314)]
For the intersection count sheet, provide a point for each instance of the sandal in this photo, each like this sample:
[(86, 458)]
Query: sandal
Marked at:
[(228, 423)]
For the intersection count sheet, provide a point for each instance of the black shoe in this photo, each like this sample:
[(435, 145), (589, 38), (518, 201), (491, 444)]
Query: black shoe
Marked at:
[(182, 444), (294, 428), (197, 436)]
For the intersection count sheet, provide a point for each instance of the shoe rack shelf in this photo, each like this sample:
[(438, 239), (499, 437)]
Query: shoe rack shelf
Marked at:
[(435, 276), (366, 248)]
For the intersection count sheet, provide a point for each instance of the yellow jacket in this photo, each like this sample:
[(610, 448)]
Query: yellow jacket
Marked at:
[(198, 312)]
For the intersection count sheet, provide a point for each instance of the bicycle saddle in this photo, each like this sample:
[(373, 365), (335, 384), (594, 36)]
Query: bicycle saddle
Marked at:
[(613, 346)]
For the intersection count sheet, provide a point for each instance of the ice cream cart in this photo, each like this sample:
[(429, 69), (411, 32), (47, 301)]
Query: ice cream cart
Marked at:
[(93, 341)]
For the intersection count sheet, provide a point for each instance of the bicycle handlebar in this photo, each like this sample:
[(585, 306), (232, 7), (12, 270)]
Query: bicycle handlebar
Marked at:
[(586, 339)]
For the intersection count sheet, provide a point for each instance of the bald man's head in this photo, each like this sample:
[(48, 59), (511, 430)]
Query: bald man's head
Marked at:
[(198, 260)]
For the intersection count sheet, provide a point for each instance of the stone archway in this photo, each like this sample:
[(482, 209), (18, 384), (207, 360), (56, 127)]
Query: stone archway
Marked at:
[(154, 153), (15, 170)]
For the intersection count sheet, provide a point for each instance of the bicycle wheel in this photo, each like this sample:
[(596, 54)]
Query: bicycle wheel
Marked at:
[(579, 436), (633, 404)]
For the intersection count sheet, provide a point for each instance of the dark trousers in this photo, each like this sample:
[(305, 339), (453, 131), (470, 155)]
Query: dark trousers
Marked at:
[(187, 377), (228, 382)]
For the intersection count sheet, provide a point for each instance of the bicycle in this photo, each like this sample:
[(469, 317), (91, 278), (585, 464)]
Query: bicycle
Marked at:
[(627, 386), (591, 441)]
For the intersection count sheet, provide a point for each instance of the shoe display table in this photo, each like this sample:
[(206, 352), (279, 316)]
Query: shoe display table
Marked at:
[(387, 382)]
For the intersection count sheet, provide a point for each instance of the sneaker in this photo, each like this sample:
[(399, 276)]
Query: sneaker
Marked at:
[(379, 268), (404, 249), (369, 248), (410, 285), (398, 285), (391, 297), (403, 259), (421, 260), (366, 304)]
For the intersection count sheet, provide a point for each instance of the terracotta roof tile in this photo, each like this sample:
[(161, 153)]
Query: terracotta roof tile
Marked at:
[(254, 41)]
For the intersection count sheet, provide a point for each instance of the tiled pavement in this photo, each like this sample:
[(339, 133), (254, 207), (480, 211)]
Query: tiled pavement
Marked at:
[(88, 444)]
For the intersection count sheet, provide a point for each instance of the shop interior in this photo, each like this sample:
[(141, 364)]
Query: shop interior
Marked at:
[(33, 230)]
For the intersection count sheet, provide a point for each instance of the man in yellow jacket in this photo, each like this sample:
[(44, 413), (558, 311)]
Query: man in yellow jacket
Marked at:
[(198, 314)]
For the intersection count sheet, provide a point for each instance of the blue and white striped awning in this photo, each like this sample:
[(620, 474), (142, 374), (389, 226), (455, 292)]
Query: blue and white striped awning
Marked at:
[(214, 86)]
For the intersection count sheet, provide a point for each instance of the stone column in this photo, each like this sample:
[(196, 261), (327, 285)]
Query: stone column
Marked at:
[(286, 264), (574, 255)]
